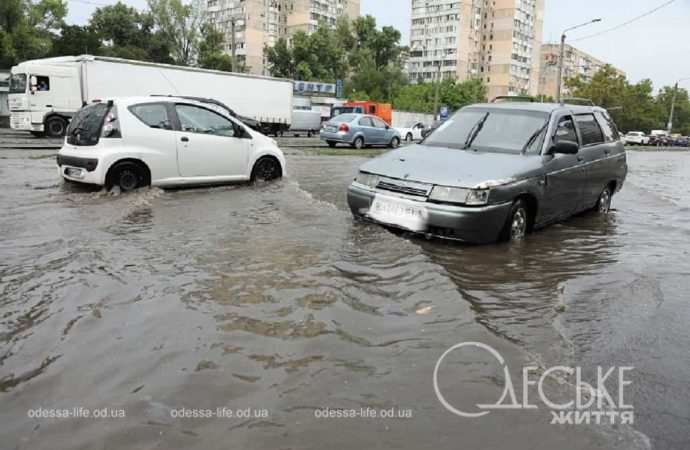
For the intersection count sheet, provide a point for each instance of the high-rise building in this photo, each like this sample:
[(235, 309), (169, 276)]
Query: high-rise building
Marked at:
[(575, 62), (259, 23), (495, 40)]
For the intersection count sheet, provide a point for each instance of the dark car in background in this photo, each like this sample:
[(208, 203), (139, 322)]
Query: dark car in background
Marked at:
[(496, 172)]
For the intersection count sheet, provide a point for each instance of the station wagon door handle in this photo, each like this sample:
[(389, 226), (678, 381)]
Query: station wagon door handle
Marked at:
[(184, 139)]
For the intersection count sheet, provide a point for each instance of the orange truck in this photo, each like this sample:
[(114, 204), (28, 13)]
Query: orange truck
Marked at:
[(381, 110)]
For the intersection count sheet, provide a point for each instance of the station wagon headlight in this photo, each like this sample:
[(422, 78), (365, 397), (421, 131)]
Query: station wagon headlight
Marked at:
[(367, 179), (470, 197)]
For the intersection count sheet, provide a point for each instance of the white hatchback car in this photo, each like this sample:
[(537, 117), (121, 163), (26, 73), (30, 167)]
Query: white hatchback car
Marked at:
[(141, 141)]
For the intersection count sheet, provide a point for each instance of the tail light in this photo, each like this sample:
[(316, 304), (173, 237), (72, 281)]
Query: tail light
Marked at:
[(344, 128), (111, 128)]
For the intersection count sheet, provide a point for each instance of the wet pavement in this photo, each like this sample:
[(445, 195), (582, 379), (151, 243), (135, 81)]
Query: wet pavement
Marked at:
[(271, 298)]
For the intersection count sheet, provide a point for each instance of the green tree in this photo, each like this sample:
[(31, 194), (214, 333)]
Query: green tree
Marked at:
[(280, 60), (27, 29), (76, 40), (681, 112), (211, 54), (455, 95), (180, 25)]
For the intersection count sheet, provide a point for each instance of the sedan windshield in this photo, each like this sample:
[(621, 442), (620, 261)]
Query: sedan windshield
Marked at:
[(491, 130), (18, 83)]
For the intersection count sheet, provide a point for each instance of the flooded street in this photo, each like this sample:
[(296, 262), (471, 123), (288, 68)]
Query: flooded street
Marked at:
[(270, 297)]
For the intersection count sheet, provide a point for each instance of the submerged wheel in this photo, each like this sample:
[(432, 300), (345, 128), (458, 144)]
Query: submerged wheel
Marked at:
[(56, 127), (409, 137), (358, 143), (331, 144), (266, 169), (517, 225), (127, 176), (603, 205), (395, 142)]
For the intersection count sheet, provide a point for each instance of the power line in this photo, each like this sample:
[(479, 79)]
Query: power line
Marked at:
[(87, 2), (617, 27)]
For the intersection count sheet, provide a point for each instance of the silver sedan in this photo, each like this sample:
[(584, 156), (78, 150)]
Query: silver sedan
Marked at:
[(358, 131)]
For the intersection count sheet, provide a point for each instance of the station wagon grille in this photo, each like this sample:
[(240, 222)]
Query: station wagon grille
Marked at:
[(405, 187)]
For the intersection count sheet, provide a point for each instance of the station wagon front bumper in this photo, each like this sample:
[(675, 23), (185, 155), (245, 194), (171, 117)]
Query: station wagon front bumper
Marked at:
[(476, 225)]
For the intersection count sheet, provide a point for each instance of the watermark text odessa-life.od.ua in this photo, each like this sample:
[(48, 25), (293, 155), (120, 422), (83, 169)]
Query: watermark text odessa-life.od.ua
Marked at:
[(593, 403)]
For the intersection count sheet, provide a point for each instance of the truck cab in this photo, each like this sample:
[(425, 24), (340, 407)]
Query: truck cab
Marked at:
[(43, 97), (381, 110)]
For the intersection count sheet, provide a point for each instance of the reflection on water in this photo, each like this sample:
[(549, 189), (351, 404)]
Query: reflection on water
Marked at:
[(271, 296)]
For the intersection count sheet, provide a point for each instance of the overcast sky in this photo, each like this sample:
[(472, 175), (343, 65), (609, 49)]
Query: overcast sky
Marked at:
[(656, 47)]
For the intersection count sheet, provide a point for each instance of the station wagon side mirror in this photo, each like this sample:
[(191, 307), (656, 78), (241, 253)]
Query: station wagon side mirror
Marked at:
[(565, 147)]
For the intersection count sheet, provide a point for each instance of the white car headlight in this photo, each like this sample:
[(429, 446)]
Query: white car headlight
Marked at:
[(471, 197), (367, 179)]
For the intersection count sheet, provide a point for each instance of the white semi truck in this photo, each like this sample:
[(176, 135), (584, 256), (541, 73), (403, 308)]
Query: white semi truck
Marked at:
[(44, 94)]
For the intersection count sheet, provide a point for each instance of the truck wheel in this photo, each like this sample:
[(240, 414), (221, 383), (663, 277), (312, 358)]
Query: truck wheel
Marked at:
[(331, 144), (127, 176), (358, 143), (55, 127)]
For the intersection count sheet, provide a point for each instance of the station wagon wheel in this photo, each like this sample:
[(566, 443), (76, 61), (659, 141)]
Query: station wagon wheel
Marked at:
[(604, 202), (395, 142), (517, 224), (266, 169), (358, 143)]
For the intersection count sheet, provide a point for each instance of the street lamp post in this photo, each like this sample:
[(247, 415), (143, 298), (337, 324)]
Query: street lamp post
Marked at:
[(673, 105), (561, 56)]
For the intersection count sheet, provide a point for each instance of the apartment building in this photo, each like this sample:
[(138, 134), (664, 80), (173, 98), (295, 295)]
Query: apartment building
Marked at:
[(495, 40), (575, 62), (259, 23)]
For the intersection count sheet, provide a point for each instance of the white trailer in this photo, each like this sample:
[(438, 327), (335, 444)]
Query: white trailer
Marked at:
[(46, 93)]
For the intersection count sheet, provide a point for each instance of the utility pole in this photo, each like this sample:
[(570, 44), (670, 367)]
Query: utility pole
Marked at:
[(561, 57), (438, 89), (559, 82), (669, 126), (233, 47)]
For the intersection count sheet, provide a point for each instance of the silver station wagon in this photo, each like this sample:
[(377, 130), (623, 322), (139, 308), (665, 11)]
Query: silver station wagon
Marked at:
[(496, 172)]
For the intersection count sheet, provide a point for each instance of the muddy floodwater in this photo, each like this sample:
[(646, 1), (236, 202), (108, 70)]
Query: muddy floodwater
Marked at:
[(254, 317)]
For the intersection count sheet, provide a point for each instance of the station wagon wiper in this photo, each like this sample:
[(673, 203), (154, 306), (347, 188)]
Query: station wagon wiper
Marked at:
[(534, 136), (474, 132)]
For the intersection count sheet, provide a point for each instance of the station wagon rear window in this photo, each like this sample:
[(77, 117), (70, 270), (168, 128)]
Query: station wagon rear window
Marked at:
[(495, 130)]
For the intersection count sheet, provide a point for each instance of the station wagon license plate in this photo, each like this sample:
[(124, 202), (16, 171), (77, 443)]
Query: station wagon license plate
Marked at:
[(399, 212)]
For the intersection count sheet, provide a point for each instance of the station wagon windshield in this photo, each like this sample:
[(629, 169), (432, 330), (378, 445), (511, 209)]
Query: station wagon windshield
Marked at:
[(491, 130), (18, 83)]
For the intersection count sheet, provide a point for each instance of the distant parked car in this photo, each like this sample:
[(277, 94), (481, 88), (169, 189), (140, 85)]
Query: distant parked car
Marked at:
[(636, 138), (660, 140), (495, 171), (358, 131), (681, 141), (413, 131), (164, 141)]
